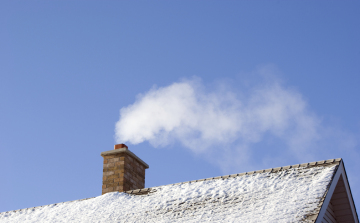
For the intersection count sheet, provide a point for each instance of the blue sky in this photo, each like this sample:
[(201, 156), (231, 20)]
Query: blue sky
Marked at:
[(68, 67)]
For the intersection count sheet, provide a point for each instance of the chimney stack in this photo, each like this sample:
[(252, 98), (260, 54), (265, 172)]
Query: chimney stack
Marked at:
[(123, 170)]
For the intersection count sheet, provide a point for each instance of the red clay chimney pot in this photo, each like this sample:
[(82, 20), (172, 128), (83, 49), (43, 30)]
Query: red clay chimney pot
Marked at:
[(119, 146)]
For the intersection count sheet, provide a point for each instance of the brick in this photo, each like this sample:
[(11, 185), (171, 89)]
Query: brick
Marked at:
[(108, 189), (111, 168), (114, 160), (112, 176), (139, 179), (109, 156), (108, 165), (120, 172), (119, 188), (108, 181), (120, 163), (107, 173), (112, 184), (117, 180), (111, 160)]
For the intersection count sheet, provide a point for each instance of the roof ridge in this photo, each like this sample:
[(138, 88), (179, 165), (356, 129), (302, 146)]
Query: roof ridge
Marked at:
[(270, 170)]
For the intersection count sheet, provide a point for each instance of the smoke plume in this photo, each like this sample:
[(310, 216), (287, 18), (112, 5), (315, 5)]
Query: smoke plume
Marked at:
[(233, 122)]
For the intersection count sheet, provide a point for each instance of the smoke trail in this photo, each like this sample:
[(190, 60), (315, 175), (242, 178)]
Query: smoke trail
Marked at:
[(201, 120)]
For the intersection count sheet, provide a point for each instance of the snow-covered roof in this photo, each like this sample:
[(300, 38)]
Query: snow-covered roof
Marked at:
[(286, 194)]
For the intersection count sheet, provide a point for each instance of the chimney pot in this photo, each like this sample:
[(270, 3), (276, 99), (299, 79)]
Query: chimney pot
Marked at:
[(119, 146)]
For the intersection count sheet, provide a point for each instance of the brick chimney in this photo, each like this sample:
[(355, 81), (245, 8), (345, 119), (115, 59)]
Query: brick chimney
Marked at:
[(123, 170)]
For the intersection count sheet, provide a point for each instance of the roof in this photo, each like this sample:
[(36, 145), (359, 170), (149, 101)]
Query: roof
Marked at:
[(297, 193)]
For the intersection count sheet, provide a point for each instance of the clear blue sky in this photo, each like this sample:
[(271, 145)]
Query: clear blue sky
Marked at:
[(68, 67)]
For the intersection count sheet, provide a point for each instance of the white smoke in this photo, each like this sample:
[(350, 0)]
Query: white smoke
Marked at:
[(202, 120), (227, 126), (182, 112)]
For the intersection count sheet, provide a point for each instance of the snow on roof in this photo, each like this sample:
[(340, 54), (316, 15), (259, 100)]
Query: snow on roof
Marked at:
[(285, 194)]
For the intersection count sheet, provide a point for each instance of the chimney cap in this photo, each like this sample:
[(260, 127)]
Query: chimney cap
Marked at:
[(119, 146), (124, 150)]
